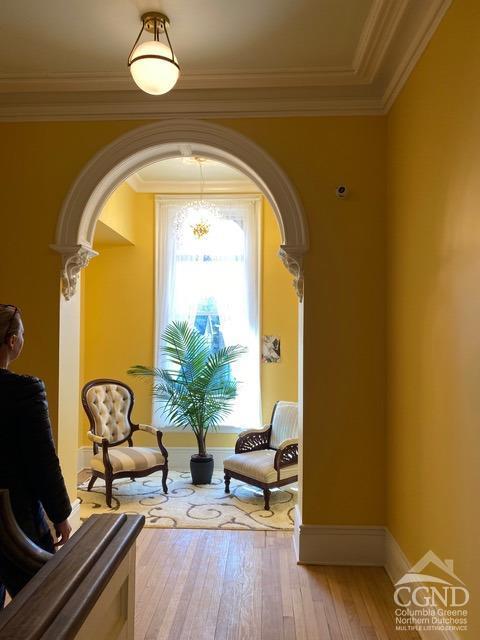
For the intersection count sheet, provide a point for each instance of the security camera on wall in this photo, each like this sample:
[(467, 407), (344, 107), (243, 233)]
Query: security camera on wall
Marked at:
[(341, 191)]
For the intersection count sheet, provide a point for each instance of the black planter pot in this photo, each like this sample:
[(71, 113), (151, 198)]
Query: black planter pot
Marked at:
[(201, 468)]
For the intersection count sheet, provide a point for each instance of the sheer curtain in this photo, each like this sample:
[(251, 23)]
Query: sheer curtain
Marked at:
[(213, 284)]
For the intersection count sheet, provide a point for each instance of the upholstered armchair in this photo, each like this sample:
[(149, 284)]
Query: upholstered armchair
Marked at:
[(108, 405), (267, 458)]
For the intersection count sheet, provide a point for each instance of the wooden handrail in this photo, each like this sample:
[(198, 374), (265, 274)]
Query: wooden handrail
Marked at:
[(60, 596), (15, 548)]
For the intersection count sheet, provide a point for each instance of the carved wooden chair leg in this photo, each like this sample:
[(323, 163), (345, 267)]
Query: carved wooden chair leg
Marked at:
[(91, 482), (164, 480), (266, 495), (108, 490), (227, 482)]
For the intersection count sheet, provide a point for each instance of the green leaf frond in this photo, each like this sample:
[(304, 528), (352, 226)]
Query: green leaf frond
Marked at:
[(197, 390)]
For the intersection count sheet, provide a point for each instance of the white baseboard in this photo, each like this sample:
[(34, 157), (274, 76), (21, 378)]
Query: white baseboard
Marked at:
[(178, 457), (396, 562), (396, 565), (74, 518), (83, 458), (338, 545), (355, 545)]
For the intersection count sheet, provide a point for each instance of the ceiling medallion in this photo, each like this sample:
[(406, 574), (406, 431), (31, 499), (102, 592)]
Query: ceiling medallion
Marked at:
[(153, 65)]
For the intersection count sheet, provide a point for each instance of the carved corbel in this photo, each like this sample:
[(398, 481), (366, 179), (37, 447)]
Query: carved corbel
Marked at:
[(293, 261), (74, 259), (72, 266)]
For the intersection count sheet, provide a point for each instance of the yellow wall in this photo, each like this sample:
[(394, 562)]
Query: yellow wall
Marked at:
[(344, 318), (434, 303), (119, 296), (119, 212), (433, 310), (279, 309), (129, 270), (344, 363)]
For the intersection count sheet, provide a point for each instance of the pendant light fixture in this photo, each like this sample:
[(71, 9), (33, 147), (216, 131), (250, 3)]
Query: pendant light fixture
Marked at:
[(197, 216), (153, 65)]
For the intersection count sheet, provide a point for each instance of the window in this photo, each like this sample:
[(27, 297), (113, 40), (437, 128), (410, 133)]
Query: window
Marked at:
[(212, 283)]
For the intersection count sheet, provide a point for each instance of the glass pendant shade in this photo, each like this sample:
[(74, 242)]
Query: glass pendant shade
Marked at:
[(154, 75)]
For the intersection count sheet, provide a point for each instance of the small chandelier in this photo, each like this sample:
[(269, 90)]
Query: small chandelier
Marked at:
[(153, 65), (197, 215)]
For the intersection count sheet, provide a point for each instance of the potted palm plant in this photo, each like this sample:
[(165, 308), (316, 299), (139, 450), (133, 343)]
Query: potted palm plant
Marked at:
[(197, 389)]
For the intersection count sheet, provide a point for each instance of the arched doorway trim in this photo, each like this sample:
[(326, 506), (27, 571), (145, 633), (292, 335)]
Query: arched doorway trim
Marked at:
[(167, 139)]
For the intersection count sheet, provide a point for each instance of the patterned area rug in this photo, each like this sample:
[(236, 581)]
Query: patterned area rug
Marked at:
[(190, 507)]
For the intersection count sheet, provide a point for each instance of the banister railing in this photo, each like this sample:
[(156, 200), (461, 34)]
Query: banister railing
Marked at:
[(85, 590)]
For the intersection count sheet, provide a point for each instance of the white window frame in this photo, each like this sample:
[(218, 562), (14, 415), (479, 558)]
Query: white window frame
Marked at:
[(258, 204)]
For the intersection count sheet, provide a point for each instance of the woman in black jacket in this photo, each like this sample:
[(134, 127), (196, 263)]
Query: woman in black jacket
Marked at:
[(29, 467)]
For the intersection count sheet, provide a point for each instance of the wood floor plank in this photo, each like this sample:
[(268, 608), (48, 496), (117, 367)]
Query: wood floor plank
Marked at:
[(230, 590), (285, 585), (324, 631), (322, 597), (354, 588), (156, 582), (308, 603), (211, 597), (250, 604), (159, 602), (245, 585), (298, 615), (384, 591), (164, 616), (289, 628), (382, 629), (239, 585), (341, 614), (359, 630), (185, 623), (272, 616), (186, 608)]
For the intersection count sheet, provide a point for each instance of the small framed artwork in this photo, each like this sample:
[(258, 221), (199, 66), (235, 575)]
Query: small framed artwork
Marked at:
[(271, 349)]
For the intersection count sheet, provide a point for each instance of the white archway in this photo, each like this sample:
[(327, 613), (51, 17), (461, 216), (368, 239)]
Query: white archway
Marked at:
[(167, 139)]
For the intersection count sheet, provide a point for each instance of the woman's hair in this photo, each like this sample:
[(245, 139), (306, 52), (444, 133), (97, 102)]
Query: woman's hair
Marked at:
[(10, 320)]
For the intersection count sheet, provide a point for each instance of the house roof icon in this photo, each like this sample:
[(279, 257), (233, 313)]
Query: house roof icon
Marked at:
[(415, 574)]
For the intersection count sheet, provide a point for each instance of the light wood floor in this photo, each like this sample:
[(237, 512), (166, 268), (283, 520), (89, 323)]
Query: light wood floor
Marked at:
[(225, 585)]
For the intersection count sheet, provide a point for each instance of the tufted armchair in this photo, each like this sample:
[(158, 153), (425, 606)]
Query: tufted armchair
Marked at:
[(108, 405), (267, 457)]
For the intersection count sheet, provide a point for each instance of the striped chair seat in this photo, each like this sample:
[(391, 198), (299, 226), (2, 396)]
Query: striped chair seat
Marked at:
[(256, 453), (129, 459), (259, 466)]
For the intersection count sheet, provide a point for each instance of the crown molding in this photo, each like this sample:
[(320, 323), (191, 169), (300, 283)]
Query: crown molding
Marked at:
[(225, 79), (380, 27), (199, 104), (368, 87), (413, 53), (190, 186), (233, 79)]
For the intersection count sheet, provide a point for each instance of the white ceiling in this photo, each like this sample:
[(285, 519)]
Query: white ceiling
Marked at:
[(182, 175), (67, 59), (92, 36)]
